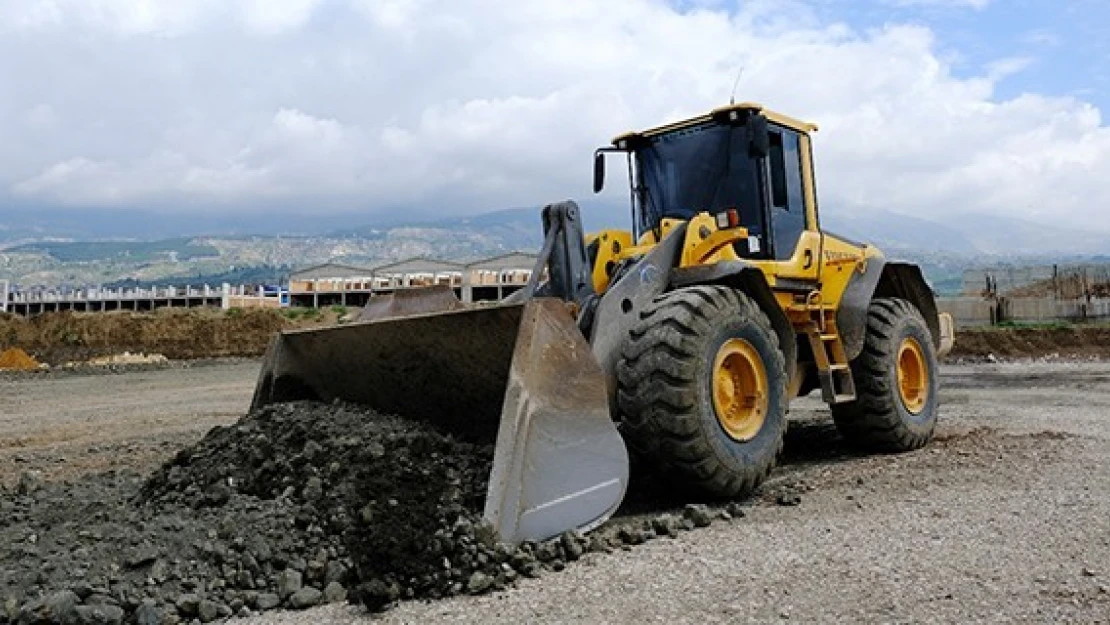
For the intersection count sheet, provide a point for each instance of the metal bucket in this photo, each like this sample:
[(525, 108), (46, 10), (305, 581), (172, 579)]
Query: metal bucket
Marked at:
[(519, 375)]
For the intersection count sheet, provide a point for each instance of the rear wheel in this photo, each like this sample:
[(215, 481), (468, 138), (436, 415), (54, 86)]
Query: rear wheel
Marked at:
[(702, 390), (896, 381)]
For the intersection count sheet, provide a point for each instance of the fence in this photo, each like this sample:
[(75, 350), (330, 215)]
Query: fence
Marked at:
[(38, 301), (978, 311)]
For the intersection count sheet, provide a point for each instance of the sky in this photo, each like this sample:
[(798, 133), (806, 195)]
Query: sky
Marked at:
[(931, 108)]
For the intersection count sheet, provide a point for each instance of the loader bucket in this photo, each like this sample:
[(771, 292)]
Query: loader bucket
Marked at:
[(519, 376)]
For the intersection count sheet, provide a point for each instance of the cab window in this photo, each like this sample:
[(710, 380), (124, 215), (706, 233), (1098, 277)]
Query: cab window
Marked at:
[(787, 203)]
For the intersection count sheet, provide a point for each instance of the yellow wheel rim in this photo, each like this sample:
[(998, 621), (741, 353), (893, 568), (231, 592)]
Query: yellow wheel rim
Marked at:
[(913, 376), (739, 389)]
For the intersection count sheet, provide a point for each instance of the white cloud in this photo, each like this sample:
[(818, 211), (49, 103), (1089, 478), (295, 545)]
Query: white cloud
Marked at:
[(458, 106)]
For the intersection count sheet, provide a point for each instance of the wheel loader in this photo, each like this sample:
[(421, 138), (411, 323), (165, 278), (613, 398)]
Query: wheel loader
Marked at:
[(679, 342)]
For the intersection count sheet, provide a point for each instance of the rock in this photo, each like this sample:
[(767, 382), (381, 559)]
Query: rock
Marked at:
[(736, 510), (305, 598), (336, 572), (631, 536), (141, 557), (82, 589), (188, 604), (478, 583), (532, 569), (314, 489), (208, 611), (334, 592), (376, 594), (100, 615), (267, 601), (29, 482), (788, 499), (698, 514), (312, 450), (218, 494), (665, 525), (11, 608), (62, 607), (572, 545), (288, 582), (148, 614)]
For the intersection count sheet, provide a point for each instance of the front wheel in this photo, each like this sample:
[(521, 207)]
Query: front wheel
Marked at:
[(702, 390), (896, 381)]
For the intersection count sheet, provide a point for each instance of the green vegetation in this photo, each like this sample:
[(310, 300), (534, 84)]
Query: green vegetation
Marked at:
[(297, 312), (293, 313), (181, 250), (339, 310), (258, 274)]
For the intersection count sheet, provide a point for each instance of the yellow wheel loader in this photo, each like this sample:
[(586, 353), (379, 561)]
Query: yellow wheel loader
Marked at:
[(680, 341)]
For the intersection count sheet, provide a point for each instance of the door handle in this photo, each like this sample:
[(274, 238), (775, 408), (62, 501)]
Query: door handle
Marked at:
[(808, 255)]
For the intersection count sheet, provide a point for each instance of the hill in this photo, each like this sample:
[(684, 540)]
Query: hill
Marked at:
[(944, 250)]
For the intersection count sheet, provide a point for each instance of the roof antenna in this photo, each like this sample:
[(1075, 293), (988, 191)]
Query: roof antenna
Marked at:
[(735, 83)]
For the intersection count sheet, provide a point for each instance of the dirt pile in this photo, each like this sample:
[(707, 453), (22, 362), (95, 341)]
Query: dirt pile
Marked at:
[(384, 486), (15, 359), (57, 338), (293, 506), (1065, 341)]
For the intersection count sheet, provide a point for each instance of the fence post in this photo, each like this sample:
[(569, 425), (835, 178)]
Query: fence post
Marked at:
[(4, 295)]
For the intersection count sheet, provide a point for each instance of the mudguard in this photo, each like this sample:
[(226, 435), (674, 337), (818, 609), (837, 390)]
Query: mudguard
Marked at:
[(881, 278), (749, 279)]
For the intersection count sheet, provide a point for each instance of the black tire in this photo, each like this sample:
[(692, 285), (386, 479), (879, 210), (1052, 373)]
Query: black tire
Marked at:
[(664, 382), (879, 419)]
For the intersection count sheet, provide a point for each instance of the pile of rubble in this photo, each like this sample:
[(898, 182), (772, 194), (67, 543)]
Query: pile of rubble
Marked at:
[(293, 506)]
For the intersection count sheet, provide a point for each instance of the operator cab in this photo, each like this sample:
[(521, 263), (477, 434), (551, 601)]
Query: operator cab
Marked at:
[(735, 158)]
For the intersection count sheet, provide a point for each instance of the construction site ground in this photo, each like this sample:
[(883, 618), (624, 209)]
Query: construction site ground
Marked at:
[(1004, 518)]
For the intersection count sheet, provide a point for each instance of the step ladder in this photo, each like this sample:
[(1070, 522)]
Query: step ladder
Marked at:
[(833, 370)]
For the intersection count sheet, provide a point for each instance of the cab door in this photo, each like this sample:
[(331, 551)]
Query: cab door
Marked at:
[(796, 239)]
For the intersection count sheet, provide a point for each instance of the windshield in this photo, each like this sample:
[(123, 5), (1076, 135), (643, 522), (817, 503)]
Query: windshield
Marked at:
[(704, 168)]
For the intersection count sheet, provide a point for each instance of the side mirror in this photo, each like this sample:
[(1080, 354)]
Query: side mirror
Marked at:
[(759, 139), (599, 171)]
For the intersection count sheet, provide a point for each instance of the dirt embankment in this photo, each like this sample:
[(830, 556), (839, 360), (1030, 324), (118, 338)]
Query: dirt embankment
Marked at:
[(1067, 341), (56, 338)]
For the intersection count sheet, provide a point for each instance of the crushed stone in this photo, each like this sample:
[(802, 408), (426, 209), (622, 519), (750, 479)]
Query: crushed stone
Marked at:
[(293, 506)]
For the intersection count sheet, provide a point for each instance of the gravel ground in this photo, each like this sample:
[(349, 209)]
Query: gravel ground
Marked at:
[(67, 423), (1004, 519)]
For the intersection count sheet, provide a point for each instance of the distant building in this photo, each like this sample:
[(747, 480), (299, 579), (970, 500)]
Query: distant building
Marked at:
[(488, 279)]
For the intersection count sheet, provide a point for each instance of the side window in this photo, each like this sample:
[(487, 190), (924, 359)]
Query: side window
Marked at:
[(788, 214)]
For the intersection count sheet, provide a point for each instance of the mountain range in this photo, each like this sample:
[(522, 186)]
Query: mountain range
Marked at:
[(81, 247)]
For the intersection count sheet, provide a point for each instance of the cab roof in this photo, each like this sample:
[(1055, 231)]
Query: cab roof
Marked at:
[(717, 113)]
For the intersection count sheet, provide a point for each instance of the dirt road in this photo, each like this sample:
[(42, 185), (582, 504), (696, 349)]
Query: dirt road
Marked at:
[(1006, 518), (67, 424)]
